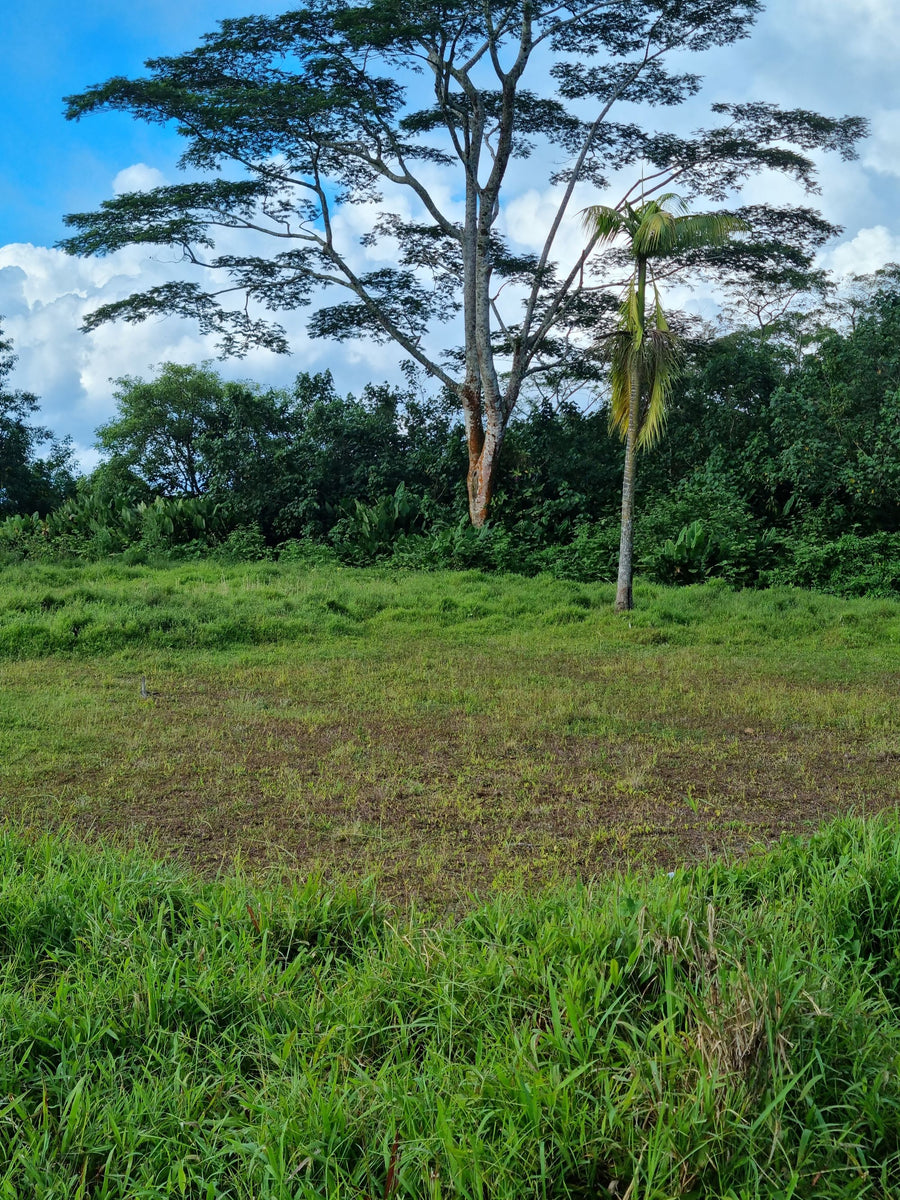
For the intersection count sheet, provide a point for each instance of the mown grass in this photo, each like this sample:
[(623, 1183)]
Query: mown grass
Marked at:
[(728, 1033), (443, 732)]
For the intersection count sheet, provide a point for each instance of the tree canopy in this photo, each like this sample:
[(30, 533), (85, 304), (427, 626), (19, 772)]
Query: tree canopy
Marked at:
[(305, 131)]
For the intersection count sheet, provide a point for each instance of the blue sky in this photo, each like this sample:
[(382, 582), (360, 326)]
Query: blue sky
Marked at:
[(836, 56), (52, 49)]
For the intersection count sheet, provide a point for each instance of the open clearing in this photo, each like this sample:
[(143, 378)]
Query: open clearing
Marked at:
[(446, 732), (726, 1033)]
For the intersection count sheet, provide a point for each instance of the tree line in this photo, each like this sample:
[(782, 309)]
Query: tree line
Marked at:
[(779, 462), (415, 117)]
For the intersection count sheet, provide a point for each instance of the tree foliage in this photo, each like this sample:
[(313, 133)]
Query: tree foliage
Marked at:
[(29, 481), (284, 461), (297, 126)]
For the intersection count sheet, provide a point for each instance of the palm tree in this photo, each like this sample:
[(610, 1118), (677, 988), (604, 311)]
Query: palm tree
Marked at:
[(643, 351)]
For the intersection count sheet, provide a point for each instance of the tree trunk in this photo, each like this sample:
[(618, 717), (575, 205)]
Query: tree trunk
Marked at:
[(485, 432), (483, 474), (624, 598)]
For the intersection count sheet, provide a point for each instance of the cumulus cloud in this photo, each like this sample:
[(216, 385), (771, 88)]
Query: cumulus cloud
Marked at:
[(527, 218), (44, 297), (865, 28), (138, 178), (882, 151), (866, 252)]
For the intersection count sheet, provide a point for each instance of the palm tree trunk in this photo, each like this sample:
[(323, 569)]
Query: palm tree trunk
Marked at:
[(624, 599)]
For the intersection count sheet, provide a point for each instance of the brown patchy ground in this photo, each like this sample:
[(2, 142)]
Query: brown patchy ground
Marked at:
[(440, 771)]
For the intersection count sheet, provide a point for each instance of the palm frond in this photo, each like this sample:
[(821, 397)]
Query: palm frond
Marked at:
[(622, 368), (655, 231), (603, 221), (630, 315), (664, 357), (704, 229), (659, 317)]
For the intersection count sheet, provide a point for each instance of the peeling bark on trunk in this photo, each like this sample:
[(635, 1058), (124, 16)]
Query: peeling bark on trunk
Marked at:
[(482, 477), (624, 598), (484, 439), (472, 411)]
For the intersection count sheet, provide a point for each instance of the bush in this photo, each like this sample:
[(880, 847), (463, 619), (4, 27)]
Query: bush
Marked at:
[(847, 566), (705, 528), (306, 551), (592, 555), (92, 527), (244, 544)]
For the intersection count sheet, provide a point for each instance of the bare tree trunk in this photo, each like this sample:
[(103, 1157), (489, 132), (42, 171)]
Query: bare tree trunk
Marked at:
[(486, 425), (624, 598), (484, 438), (470, 397)]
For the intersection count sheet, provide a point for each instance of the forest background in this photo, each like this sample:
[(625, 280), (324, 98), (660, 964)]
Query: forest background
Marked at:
[(780, 463)]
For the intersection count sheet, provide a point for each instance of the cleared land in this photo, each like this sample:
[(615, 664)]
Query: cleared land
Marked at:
[(444, 733)]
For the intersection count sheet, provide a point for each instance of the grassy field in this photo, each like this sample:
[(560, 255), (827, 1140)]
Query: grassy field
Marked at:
[(445, 733), (726, 1034), (724, 1029)]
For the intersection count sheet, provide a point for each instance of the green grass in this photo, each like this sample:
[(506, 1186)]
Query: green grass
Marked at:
[(729, 1033), (442, 732)]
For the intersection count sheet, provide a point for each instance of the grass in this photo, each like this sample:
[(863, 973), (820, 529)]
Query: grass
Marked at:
[(445, 733), (729, 1033), (722, 1030)]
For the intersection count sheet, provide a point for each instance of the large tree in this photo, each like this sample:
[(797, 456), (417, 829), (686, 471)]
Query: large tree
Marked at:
[(292, 122)]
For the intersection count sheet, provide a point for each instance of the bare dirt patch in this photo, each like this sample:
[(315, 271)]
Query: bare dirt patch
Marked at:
[(440, 790)]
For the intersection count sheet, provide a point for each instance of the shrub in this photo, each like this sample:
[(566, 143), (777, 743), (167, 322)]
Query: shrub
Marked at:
[(847, 566), (244, 544)]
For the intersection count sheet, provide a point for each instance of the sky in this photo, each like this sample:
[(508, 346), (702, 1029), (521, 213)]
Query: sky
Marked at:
[(834, 56)]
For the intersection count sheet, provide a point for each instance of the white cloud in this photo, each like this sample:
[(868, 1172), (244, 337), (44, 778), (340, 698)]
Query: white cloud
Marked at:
[(881, 152), (864, 28), (138, 178), (869, 250), (526, 221), (45, 295)]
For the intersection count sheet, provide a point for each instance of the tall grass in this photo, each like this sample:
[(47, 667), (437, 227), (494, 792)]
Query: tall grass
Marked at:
[(106, 607), (727, 1032)]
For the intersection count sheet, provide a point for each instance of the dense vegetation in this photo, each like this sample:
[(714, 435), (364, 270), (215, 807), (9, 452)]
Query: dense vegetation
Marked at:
[(29, 481), (727, 1033), (780, 463)]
